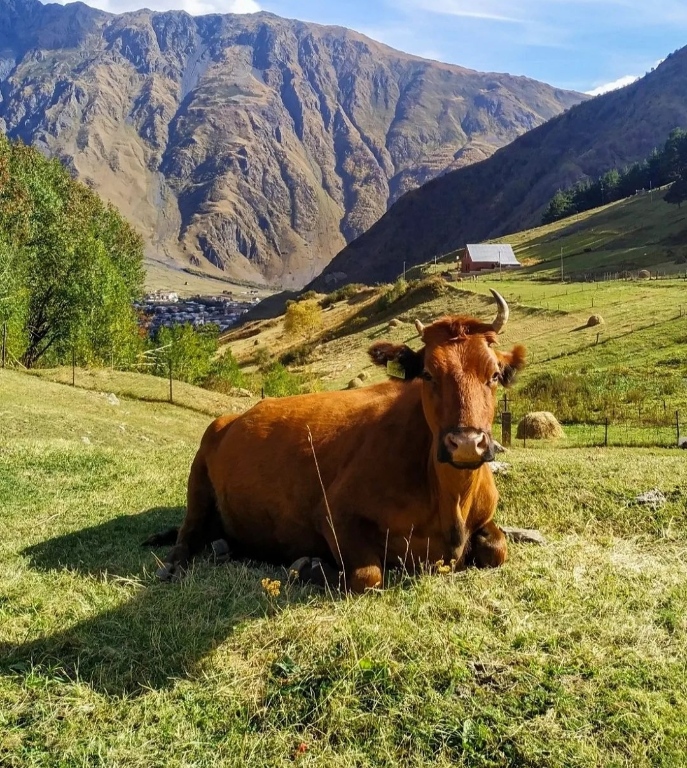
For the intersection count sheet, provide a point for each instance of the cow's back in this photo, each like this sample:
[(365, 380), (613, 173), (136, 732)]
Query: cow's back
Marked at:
[(269, 466)]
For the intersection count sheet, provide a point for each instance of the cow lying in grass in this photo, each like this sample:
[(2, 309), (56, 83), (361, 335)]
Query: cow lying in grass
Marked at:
[(362, 479)]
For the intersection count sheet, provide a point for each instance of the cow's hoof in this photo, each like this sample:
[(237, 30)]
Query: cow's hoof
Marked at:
[(166, 572), (220, 551), (297, 568), (316, 572), (169, 572)]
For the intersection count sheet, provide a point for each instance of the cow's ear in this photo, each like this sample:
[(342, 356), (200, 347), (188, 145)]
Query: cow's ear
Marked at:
[(400, 360), (510, 363)]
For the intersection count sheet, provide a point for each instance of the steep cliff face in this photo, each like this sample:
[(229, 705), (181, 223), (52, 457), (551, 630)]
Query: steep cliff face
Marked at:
[(251, 144)]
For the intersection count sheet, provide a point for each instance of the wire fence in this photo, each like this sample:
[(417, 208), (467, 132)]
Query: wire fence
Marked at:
[(645, 424)]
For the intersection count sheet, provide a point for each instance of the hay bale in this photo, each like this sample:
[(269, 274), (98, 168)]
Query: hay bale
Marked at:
[(539, 425), (396, 323), (362, 376), (594, 320), (644, 274), (355, 383)]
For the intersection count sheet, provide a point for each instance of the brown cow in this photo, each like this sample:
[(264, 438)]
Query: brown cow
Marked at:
[(364, 478)]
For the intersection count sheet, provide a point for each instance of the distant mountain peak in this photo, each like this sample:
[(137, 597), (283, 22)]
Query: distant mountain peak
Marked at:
[(248, 144)]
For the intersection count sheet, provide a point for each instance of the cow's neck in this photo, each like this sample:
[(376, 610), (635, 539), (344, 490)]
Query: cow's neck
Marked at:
[(451, 491)]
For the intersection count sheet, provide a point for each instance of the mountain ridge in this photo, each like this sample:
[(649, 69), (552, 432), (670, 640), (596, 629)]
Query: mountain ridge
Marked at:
[(251, 146), (610, 130)]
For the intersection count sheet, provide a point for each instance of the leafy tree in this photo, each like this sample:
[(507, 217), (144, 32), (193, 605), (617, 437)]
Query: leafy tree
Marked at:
[(677, 193), (225, 373), (71, 266), (303, 318), (191, 352), (560, 207)]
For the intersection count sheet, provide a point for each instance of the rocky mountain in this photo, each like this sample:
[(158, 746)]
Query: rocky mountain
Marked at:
[(253, 145), (509, 191)]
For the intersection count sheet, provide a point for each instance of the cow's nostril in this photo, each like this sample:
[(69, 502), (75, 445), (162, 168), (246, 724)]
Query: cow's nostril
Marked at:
[(472, 443)]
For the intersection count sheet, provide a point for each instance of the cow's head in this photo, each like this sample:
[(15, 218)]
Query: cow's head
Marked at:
[(460, 372)]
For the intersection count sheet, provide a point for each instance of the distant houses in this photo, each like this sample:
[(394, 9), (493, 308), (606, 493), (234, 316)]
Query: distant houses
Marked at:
[(488, 257), (162, 296)]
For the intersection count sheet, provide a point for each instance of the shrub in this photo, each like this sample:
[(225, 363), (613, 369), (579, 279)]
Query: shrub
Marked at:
[(394, 293), (263, 359), (303, 318), (345, 292), (300, 355), (280, 382), (225, 374)]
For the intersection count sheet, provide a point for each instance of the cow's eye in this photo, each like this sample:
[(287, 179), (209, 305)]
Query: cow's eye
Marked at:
[(495, 378), (426, 375)]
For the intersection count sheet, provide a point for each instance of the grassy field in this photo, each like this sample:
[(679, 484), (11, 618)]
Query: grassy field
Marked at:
[(573, 654), (637, 233)]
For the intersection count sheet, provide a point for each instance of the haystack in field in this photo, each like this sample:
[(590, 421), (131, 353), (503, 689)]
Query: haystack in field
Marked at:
[(644, 274), (396, 323), (594, 320), (355, 383), (539, 425)]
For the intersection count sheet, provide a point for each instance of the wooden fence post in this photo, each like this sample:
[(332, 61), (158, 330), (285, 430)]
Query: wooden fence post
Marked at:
[(73, 367), (606, 434), (506, 429), (171, 393), (677, 426), (4, 343)]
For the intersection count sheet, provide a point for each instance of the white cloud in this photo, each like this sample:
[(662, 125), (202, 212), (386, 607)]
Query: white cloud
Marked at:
[(621, 82), (194, 7), (489, 11), (243, 6)]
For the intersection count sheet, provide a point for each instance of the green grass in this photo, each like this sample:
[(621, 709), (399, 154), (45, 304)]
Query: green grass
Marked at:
[(571, 655), (637, 233)]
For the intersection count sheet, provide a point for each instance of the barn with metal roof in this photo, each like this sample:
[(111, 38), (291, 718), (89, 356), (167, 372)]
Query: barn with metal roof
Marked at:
[(478, 258)]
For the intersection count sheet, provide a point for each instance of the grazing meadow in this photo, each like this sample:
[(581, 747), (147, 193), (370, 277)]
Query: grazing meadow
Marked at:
[(572, 654)]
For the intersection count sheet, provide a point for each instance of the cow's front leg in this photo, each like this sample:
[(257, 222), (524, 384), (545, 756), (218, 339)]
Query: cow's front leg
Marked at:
[(488, 548), (354, 547)]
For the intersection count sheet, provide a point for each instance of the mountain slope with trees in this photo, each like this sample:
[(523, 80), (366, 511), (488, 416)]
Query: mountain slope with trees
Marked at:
[(509, 191), (250, 146)]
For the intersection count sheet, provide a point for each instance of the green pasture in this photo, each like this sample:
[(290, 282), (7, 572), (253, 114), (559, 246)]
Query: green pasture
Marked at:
[(573, 654)]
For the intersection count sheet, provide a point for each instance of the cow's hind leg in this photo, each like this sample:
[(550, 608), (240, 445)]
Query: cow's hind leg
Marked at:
[(202, 523), (488, 548)]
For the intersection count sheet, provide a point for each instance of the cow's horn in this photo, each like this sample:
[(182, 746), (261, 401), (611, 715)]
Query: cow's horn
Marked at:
[(503, 313), (420, 328)]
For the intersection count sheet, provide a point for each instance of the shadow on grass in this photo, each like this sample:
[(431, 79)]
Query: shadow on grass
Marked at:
[(157, 636), (112, 548)]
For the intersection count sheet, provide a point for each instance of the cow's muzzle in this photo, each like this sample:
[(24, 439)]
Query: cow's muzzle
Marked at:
[(465, 447)]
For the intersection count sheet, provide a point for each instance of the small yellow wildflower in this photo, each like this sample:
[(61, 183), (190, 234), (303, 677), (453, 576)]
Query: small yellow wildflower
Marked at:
[(272, 588)]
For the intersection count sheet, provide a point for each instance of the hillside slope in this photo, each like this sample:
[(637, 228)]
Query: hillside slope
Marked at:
[(250, 145), (508, 191)]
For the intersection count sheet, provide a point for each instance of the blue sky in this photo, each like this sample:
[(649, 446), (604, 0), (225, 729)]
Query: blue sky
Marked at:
[(579, 44)]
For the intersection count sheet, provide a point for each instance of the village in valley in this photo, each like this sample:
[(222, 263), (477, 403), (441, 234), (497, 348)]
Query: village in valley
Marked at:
[(166, 308)]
